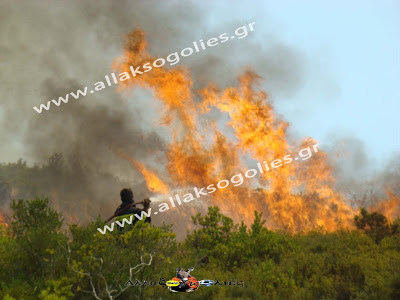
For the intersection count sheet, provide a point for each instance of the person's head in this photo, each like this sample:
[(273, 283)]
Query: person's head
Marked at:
[(126, 195)]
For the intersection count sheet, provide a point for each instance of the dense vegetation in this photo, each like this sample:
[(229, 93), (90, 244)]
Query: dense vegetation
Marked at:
[(39, 259)]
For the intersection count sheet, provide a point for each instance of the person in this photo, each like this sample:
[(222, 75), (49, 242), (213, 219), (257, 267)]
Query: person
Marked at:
[(128, 207)]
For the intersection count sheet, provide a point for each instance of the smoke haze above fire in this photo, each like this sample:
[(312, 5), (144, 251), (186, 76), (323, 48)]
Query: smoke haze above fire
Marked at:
[(52, 47), (58, 47)]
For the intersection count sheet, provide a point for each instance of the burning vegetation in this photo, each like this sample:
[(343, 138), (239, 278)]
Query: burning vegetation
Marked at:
[(213, 134), (201, 150)]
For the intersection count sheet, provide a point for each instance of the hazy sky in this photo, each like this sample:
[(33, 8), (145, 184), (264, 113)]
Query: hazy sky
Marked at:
[(352, 52)]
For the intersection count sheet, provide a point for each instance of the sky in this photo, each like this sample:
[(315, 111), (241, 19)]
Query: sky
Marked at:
[(352, 54)]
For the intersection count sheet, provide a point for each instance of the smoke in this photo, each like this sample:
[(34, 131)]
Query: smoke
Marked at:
[(358, 175), (351, 163), (50, 48)]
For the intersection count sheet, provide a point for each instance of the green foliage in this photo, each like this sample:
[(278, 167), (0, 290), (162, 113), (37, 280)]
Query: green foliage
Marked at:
[(105, 260), (375, 225), (220, 240), (41, 260), (37, 231)]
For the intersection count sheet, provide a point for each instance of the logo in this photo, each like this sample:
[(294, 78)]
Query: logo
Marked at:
[(172, 283), (185, 282), (206, 282)]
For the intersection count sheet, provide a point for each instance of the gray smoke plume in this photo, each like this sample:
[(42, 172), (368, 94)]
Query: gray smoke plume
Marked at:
[(50, 48)]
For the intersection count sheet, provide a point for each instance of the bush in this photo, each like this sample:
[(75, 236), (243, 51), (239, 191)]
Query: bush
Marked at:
[(40, 260)]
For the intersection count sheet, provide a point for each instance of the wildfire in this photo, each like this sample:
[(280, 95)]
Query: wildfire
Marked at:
[(153, 182), (297, 196), (2, 221), (390, 208)]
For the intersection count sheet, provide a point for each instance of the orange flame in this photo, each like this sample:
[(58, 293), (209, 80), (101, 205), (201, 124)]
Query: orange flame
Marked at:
[(153, 182), (296, 196), (2, 221), (389, 207)]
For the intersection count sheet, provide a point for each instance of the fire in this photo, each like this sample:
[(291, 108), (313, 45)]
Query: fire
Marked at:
[(296, 196), (390, 208), (153, 182), (2, 221)]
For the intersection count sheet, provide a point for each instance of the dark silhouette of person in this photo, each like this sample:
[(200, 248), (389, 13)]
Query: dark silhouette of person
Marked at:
[(128, 207)]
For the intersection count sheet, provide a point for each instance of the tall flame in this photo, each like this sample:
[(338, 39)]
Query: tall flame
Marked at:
[(296, 196), (154, 183)]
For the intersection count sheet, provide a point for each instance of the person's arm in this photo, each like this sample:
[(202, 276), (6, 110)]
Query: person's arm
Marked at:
[(118, 208), (118, 211), (146, 204)]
